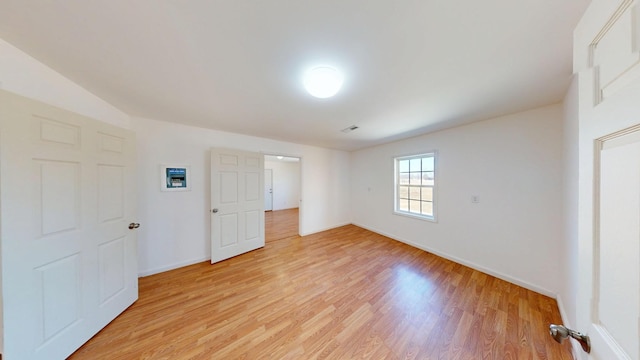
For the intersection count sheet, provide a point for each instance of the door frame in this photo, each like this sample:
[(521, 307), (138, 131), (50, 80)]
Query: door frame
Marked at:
[(300, 201), (270, 207)]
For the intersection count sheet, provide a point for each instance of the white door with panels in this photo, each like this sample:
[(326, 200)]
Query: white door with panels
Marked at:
[(608, 64), (237, 203), (616, 282), (67, 193)]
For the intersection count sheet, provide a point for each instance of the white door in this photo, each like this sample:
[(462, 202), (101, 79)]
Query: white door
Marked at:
[(69, 263), (268, 189), (608, 60), (237, 203), (616, 284)]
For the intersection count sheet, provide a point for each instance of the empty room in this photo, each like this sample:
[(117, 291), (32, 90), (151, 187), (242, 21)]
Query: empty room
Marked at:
[(319, 180)]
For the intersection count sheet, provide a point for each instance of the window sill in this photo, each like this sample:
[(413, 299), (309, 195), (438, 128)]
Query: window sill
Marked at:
[(415, 216)]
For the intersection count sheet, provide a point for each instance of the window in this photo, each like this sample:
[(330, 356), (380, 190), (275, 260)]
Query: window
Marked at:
[(415, 180)]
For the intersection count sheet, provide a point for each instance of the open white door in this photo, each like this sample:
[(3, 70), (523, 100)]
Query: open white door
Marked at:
[(616, 278), (237, 203), (608, 60), (69, 263)]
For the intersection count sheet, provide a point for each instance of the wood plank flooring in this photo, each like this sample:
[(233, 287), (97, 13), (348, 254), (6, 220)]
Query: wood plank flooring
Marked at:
[(281, 224), (345, 293)]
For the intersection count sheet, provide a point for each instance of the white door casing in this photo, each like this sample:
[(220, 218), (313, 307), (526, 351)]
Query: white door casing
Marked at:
[(69, 263), (268, 189), (608, 65), (237, 203)]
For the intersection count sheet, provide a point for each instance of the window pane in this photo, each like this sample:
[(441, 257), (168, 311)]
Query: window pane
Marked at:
[(414, 206), (404, 205), (427, 208), (427, 164), (427, 194), (404, 192), (404, 178), (403, 165), (415, 165), (415, 178), (427, 178), (414, 193)]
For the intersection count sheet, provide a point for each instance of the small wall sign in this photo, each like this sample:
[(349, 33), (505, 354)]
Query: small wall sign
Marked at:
[(175, 177)]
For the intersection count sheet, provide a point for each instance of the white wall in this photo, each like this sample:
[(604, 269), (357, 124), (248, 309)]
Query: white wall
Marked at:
[(175, 225), (167, 239), (23, 75), (286, 183), (513, 163)]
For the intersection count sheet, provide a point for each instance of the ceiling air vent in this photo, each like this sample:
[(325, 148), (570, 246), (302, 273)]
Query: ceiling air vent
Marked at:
[(349, 129)]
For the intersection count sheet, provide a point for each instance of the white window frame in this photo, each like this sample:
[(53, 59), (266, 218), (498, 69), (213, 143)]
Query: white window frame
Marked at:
[(397, 187)]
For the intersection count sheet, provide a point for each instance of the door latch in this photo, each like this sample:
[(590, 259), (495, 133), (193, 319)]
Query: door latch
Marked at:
[(559, 333)]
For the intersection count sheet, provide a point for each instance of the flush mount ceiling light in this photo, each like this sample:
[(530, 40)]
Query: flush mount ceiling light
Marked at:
[(323, 81)]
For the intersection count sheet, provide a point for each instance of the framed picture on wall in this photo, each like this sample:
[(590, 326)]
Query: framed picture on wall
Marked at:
[(175, 177)]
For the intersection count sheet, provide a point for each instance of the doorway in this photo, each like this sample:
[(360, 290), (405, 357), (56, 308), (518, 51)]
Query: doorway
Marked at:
[(282, 196)]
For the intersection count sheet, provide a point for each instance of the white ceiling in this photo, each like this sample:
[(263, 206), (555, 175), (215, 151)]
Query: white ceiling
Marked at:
[(411, 66)]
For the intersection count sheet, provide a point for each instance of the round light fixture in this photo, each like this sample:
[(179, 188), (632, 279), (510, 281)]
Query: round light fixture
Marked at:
[(323, 81)]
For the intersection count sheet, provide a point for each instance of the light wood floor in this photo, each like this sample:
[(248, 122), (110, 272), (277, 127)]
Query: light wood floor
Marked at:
[(280, 224), (346, 293)]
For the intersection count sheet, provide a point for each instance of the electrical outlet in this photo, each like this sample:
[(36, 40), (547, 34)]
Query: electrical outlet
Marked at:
[(475, 199)]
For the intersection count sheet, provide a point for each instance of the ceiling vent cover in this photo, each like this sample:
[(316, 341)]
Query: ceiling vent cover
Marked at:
[(349, 129)]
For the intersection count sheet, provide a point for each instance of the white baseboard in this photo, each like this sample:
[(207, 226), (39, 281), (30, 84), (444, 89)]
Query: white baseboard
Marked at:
[(171, 267), (499, 275), (174, 266), (575, 347), (285, 208), (325, 229), (470, 264)]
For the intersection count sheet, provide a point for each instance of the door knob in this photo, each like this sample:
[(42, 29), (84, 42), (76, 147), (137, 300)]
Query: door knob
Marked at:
[(214, 210), (134, 226), (559, 333)]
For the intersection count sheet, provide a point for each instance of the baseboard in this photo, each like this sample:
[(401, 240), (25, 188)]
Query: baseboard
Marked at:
[(325, 229), (575, 347), (287, 208), (171, 267), (470, 264), (195, 261)]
